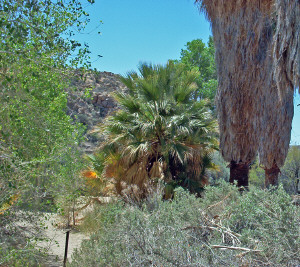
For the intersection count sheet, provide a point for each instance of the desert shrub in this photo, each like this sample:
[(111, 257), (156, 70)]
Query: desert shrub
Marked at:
[(101, 216), (270, 220), (224, 228)]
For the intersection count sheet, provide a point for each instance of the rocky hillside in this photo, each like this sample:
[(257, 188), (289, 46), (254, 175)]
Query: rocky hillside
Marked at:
[(91, 100)]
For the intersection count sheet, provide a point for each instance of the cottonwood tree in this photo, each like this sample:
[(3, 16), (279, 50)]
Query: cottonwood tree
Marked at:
[(201, 57), (37, 57), (290, 174)]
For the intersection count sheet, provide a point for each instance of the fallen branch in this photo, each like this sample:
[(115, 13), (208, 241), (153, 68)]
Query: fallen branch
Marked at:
[(218, 203), (236, 248)]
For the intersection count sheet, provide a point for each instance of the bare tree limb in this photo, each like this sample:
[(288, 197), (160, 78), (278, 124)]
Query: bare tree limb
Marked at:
[(236, 248)]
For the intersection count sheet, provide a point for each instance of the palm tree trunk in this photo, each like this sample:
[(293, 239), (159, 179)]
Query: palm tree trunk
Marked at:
[(243, 37), (278, 93), (239, 172), (276, 134), (285, 62), (271, 176), (253, 114), (287, 45)]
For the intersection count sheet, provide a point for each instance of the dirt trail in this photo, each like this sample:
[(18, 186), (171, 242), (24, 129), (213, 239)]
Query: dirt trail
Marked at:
[(56, 243)]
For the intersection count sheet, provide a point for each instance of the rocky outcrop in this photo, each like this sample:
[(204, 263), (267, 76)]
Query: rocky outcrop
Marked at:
[(90, 100)]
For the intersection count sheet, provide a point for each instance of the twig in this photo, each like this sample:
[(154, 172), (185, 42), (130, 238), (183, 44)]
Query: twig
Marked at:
[(218, 203), (236, 248), (222, 230)]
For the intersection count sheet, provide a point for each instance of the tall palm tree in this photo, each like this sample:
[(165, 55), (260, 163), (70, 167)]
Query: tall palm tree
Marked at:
[(279, 98), (247, 94), (287, 44), (160, 132), (276, 131), (243, 36)]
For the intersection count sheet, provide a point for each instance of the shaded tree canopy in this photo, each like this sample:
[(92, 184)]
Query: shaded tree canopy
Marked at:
[(160, 133), (201, 57), (37, 56)]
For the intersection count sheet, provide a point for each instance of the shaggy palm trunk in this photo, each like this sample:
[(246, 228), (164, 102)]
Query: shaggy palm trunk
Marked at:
[(239, 172), (285, 62), (276, 134), (271, 176), (242, 37), (287, 44)]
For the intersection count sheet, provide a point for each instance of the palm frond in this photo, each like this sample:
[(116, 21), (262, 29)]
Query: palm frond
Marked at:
[(149, 90), (128, 102), (161, 132), (146, 70)]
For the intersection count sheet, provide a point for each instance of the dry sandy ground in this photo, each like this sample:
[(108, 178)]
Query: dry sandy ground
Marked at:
[(57, 236), (57, 239), (53, 238)]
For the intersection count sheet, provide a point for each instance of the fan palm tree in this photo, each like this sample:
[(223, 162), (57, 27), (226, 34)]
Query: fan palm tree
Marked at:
[(253, 114), (242, 33), (287, 45), (276, 131), (279, 99), (159, 132)]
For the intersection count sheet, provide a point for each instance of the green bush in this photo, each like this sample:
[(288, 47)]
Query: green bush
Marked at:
[(101, 216), (224, 228)]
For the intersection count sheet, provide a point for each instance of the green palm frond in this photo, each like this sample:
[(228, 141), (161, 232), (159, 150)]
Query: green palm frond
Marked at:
[(147, 70), (178, 151), (130, 82), (160, 128), (149, 91), (127, 102)]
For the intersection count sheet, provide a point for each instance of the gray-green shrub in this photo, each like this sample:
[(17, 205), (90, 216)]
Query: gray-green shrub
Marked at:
[(258, 228)]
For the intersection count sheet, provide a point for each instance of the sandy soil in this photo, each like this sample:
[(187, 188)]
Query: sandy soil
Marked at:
[(54, 237), (55, 245)]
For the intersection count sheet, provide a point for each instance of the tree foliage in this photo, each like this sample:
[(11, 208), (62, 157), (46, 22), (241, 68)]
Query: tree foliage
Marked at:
[(201, 57), (160, 132), (289, 176), (290, 173), (37, 139)]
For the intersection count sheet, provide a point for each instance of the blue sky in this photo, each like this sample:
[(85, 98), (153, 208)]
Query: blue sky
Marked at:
[(135, 31)]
